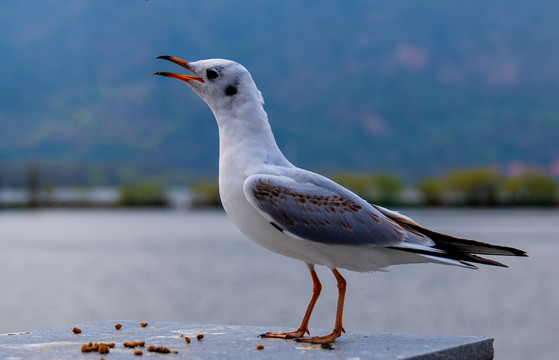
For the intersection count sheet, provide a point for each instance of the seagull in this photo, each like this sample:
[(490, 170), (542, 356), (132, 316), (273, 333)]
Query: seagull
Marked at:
[(301, 214)]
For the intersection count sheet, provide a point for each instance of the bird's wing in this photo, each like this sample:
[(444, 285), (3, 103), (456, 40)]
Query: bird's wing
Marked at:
[(310, 207), (318, 210)]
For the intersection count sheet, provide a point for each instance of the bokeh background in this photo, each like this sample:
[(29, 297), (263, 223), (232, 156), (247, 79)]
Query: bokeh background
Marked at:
[(442, 103), (410, 88)]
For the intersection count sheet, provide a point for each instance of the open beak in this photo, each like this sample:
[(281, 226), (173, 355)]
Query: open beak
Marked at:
[(184, 64)]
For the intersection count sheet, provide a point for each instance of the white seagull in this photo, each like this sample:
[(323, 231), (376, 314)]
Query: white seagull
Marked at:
[(303, 215)]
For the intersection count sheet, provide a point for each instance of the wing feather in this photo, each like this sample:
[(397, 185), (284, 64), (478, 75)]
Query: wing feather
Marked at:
[(325, 214), (316, 209)]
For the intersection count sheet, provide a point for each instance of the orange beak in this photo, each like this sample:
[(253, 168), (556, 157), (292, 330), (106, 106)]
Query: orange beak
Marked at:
[(184, 64)]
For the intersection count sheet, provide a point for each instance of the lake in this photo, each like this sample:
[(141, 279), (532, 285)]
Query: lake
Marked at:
[(67, 267)]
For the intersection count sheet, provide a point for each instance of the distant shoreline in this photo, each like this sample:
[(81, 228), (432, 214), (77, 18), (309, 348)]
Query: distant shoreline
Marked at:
[(182, 197)]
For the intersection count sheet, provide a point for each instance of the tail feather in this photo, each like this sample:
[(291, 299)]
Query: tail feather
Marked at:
[(453, 244), (464, 251), (462, 258)]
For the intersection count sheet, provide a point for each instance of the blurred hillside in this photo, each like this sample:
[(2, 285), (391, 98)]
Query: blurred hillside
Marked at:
[(408, 88)]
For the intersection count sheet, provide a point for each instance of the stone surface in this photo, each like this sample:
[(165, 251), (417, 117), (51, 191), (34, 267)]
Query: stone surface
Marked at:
[(232, 342)]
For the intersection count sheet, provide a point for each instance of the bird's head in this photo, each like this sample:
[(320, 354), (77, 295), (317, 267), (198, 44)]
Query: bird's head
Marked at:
[(222, 84)]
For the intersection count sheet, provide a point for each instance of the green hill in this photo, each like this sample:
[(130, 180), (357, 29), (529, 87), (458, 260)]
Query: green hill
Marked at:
[(411, 88)]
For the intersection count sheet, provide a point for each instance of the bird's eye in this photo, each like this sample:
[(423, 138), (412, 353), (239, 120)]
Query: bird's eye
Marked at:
[(231, 90), (211, 74)]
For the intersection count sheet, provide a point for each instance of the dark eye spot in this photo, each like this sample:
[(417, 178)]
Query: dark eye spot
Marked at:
[(211, 74), (231, 90)]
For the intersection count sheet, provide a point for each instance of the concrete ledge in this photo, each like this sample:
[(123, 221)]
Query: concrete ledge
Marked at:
[(233, 342)]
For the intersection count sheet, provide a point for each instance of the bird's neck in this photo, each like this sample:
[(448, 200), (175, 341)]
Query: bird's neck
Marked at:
[(246, 141)]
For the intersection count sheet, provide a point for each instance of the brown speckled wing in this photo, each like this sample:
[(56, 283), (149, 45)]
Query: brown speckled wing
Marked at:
[(325, 214)]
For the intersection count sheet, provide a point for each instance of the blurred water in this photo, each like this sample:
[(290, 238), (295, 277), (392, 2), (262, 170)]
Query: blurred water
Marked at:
[(66, 267)]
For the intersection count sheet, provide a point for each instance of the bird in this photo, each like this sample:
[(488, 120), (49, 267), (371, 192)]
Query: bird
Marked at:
[(301, 214)]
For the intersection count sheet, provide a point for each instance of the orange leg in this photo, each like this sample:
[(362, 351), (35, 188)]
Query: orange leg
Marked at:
[(304, 327), (338, 328)]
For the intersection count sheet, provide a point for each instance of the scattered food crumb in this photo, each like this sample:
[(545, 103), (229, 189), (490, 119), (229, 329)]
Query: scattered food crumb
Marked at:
[(159, 349), (118, 326), (138, 352), (260, 347), (187, 339), (133, 344), (111, 345), (144, 324), (199, 336), (76, 330), (174, 352), (327, 346), (103, 349)]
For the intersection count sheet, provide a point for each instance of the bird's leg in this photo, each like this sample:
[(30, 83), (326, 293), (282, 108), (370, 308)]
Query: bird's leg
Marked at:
[(338, 328), (303, 328)]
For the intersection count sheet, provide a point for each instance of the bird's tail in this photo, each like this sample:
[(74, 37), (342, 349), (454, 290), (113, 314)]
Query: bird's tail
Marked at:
[(465, 250), (448, 248)]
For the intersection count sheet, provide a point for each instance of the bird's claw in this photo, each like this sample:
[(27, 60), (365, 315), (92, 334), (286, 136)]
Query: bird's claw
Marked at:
[(299, 333), (326, 339)]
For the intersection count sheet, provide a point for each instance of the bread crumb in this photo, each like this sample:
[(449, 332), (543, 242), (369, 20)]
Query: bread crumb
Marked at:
[(159, 349), (103, 349), (133, 344)]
